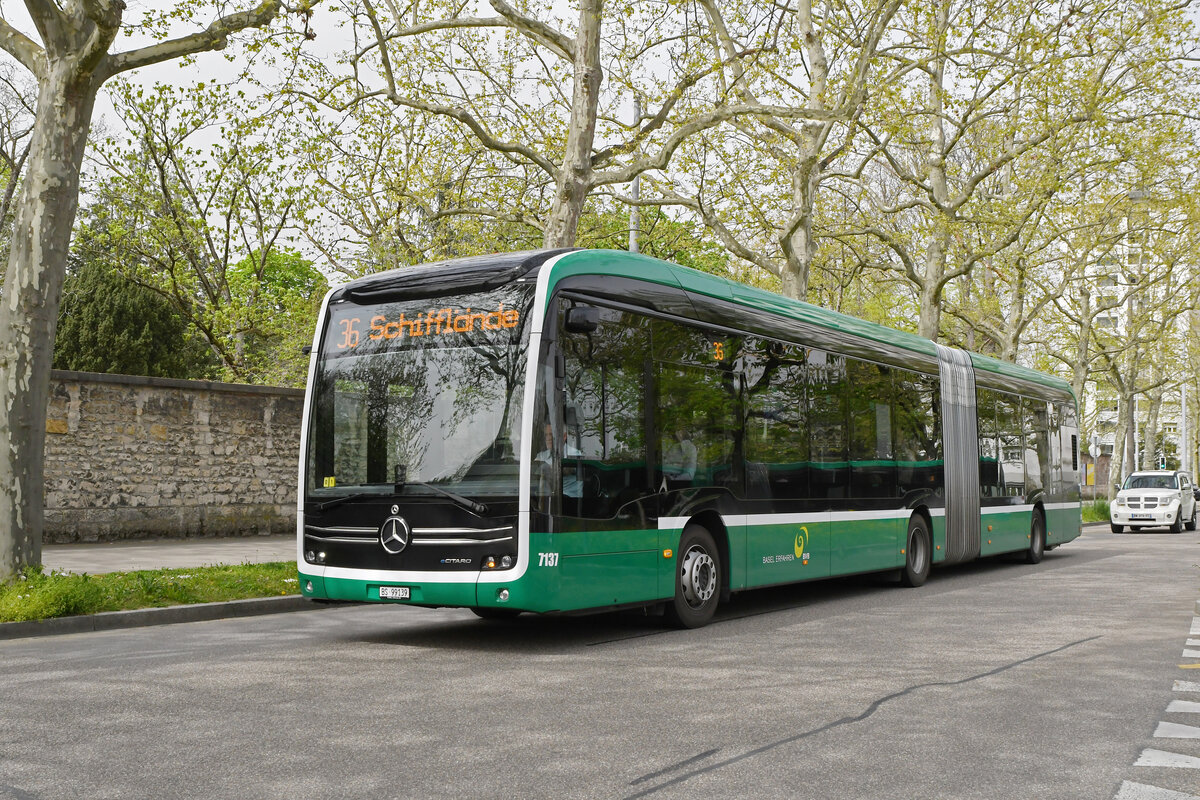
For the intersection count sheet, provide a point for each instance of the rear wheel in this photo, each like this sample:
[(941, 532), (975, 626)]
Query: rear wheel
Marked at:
[(917, 553), (697, 579), (1191, 523), (1037, 539)]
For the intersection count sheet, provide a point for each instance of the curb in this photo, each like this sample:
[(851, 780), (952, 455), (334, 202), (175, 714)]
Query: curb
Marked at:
[(137, 618)]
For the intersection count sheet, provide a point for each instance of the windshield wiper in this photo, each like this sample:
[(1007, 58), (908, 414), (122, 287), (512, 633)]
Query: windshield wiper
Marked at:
[(464, 502), (337, 501)]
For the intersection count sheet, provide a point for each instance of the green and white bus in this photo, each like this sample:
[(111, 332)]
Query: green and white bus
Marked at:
[(576, 430)]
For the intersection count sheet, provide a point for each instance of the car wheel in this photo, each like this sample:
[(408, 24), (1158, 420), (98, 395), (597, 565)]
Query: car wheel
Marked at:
[(1037, 539), (1117, 528), (697, 579), (1191, 523), (1177, 525), (917, 553)]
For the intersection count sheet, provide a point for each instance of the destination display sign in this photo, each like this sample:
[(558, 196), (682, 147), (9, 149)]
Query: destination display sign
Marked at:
[(492, 317)]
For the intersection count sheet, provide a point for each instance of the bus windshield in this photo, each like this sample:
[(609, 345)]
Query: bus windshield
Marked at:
[(414, 396)]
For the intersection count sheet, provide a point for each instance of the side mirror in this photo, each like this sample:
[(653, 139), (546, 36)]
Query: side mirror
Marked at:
[(582, 319)]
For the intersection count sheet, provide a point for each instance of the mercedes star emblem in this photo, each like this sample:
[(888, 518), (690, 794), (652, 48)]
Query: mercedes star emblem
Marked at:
[(393, 534)]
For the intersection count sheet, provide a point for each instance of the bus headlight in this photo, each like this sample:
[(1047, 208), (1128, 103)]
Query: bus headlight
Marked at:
[(505, 562)]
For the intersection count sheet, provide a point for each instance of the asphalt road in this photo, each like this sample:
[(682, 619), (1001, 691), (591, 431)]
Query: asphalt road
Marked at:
[(995, 680)]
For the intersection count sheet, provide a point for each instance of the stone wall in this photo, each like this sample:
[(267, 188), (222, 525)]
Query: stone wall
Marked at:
[(132, 458)]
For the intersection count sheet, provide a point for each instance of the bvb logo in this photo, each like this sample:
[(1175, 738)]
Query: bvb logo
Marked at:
[(801, 542)]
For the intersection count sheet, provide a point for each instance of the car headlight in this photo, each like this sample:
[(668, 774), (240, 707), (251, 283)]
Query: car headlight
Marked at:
[(1120, 501)]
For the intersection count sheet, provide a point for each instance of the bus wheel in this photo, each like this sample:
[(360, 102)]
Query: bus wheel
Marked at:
[(918, 547), (1037, 539), (492, 613), (697, 579)]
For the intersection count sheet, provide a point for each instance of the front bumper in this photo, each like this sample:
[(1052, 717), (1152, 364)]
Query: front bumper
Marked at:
[(1149, 518)]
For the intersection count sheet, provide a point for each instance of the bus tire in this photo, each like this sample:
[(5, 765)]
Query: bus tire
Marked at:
[(918, 548), (493, 613), (697, 579), (1037, 539)]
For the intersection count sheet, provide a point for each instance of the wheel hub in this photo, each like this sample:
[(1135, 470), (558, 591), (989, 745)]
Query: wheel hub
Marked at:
[(698, 577)]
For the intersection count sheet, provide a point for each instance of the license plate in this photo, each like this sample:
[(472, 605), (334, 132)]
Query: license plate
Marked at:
[(1141, 516), (394, 593)]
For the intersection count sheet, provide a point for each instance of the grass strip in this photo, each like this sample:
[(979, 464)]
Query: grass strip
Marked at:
[(1096, 511), (36, 594)]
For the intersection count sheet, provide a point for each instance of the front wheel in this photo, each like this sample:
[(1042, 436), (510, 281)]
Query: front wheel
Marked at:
[(917, 553), (1177, 525), (1037, 540), (697, 579), (1117, 528)]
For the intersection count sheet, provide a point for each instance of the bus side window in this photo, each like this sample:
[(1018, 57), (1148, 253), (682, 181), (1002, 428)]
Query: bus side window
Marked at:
[(829, 477), (777, 438)]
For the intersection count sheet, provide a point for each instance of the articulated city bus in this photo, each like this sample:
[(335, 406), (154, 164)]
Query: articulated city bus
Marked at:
[(572, 430)]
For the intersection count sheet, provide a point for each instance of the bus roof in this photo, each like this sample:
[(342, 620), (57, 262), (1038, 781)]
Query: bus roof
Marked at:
[(633, 265)]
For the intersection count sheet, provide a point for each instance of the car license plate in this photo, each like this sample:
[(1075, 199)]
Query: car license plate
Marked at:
[(394, 593), (1141, 516)]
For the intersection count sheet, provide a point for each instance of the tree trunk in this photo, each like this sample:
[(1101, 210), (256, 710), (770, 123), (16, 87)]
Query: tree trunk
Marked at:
[(37, 263), (1150, 432), (798, 246), (575, 175), (932, 285)]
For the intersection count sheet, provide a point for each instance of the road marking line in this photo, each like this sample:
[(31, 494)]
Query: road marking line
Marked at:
[(1195, 631), (1191, 653), (1184, 707), (1186, 686), (1162, 758), (1140, 791), (1193, 642), (1173, 730), (1189, 666)]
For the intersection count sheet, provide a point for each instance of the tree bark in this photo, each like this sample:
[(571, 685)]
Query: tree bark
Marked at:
[(45, 214), (574, 179)]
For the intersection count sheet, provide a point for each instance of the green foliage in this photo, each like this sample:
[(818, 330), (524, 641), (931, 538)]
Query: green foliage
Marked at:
[(1096, 511), (35, 594), (203, 224), (660, 236), (108, 323), (280, 296)]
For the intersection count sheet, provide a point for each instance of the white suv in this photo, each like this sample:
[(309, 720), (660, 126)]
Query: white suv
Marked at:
[(1155, 498)]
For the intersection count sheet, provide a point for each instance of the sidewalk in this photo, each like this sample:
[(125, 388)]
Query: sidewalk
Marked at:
[(162, 553)]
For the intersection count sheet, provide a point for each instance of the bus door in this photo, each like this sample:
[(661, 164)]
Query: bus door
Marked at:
[(697, 435), (605, 529)]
